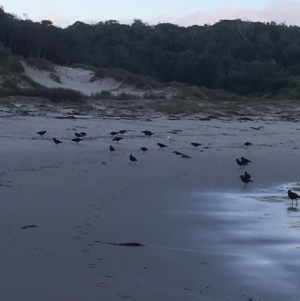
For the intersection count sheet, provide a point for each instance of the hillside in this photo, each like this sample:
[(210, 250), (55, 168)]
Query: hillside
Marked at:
[(233, 55)]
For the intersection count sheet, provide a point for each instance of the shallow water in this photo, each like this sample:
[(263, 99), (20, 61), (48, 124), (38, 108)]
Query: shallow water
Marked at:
[(258, 239)]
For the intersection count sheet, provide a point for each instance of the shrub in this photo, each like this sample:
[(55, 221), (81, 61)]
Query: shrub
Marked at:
[(84, 67), (102, 95), (54, 94), (139, 81), (11, 64), (40, 64)]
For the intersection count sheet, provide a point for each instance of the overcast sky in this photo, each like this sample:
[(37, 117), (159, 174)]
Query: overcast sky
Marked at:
[(185, 13)]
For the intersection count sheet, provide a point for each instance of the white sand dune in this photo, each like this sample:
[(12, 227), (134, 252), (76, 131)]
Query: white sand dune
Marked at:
[(206, 237), (79, 80)]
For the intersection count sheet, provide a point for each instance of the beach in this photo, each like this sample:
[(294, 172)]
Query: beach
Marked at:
[(68, 211)]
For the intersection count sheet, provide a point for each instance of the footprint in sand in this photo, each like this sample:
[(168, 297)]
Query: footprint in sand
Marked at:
[(125, 296), (77, 237), (85, 251), (101, 284), (91, 266)]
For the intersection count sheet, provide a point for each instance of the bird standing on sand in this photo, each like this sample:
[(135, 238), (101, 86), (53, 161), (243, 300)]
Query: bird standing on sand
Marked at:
[(42, 133), (170, 139), (178, 153), (246, 175), (293, 196), (195, 144), (114, 133), (56, 141), (132, 159), (148, 133), (245, 180), (245, 161), (144, 149), (77, 135), (122, 132), (185, 156), (161, 146), (241, 163), (117, 139), (77, 140), (112, 149), (247, 144), (83, 134)]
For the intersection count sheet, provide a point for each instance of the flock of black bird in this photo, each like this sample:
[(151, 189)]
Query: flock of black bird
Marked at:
[(242, 162), (246, 178)]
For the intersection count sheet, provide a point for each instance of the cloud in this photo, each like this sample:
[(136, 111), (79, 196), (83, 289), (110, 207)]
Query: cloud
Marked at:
[(280, 11), (61, 21)]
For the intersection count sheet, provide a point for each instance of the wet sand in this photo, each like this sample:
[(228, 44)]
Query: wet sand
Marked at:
[(205, 236)]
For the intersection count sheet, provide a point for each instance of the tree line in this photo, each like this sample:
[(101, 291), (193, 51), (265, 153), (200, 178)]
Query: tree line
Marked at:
[(238, 56)]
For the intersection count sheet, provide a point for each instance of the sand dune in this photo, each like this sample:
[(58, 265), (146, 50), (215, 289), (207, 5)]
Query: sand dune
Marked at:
[(79, 80)]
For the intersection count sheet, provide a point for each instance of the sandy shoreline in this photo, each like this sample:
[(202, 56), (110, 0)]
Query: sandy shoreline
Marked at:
[(206, 237)]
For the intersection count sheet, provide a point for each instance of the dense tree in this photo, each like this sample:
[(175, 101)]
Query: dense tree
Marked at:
[(234, 55)]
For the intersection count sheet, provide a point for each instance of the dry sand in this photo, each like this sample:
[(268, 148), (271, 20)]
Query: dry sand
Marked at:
[(80, 80), (205, 236)]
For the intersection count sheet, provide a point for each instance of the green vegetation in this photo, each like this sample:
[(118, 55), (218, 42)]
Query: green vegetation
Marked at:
[(84, 67), (136, 80), (286, 87), (237, 56), (10, 87), (40, 64), (11, 65)]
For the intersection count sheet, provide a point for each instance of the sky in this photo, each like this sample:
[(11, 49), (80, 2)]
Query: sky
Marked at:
[(183, 13)]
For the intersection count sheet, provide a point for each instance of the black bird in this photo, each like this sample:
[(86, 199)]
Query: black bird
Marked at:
[(56, 141), (195, 144), (246, 180), (161, 146), (42, 133), (293, 196), (246, 175), (241, 163), (77, 140), (144, 149), (132, 159), (186, 156), (246, 161), (122, 132), (114, 133), (77, 135), (148, 133), (83, 134), (111, 148), (117, 139), (247, 144), (178, 153)]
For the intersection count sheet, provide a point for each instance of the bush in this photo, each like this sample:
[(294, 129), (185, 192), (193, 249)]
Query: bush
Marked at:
[(139, 81), (54, 94), (84, 67), (40, 64), (102, 95), (11, 64)]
